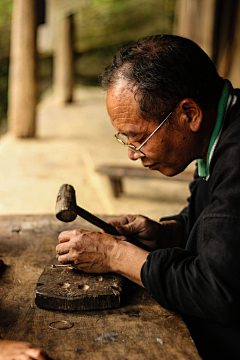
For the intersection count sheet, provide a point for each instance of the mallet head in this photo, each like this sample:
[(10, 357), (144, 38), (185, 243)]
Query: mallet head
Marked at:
[(66, 204)]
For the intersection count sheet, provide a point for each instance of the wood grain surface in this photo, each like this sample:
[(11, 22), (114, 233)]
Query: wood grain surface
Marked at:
[(140, 329)]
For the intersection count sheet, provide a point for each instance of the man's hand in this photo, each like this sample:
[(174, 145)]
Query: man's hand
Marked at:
[(96, 252), (89, 251), (148, 232), (20, 350)]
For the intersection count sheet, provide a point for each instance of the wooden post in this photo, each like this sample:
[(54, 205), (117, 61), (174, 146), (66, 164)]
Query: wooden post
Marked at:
[(234, 70), (195, 20), (63, 61), (22, 71), (226, 36)]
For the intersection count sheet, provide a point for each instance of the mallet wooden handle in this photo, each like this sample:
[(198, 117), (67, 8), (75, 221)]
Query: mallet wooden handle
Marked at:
[(67, 210), (96, 221)]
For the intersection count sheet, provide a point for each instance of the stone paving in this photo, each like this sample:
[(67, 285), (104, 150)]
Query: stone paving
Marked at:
[(72, 140)]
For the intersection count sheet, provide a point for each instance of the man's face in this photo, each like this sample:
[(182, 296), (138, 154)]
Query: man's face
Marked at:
[(167, 151)]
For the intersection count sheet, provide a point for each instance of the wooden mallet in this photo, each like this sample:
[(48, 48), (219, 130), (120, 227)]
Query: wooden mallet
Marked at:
[(67, 210)]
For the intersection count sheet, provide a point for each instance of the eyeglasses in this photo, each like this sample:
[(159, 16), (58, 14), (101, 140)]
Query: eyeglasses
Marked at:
[(122, 139)]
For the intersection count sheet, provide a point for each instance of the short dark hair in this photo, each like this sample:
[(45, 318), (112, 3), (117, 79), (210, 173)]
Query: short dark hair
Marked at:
[(162, 70)]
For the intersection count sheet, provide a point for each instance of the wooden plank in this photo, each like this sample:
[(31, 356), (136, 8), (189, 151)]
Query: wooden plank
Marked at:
[(128, 171), (117, 173), (139, 329), (66, 288)]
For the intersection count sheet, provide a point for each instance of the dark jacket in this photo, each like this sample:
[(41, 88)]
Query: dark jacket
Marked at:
[(202, 281)]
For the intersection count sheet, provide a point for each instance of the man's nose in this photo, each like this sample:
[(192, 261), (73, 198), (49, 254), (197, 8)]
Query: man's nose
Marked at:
[(133, 155)]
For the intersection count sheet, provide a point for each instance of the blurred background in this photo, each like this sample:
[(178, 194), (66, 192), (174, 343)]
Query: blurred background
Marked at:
[(54, 127), (99, 28)]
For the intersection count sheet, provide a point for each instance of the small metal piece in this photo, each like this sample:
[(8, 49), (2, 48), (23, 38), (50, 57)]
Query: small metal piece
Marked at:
[(115, 292), (160, 341), (62, 265), (83, 287), (64, 285), (61, 325), (113, 336), (115, 289)]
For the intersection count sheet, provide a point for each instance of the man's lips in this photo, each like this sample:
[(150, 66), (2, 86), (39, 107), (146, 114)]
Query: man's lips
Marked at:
[(151, 166)]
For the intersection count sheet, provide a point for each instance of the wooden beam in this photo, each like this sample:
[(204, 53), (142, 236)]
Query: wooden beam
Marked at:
[(22, 70), (63, 60), (195, 20), (227, 40), (234, 70)]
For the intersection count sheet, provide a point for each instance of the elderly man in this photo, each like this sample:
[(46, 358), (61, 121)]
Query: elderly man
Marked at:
[(169, 107)]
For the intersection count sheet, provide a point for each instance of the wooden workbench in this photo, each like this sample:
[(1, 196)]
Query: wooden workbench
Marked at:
[(139, 330)]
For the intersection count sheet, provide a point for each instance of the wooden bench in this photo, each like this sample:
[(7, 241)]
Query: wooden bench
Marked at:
[(117, 173)]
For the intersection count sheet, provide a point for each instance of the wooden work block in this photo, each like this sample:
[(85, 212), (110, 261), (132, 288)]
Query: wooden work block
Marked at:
[(65, 288)]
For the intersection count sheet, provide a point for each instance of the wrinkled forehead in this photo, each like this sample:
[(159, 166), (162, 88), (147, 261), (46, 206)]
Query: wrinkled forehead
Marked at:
[(120, 93), (120, 99), (123, 111)]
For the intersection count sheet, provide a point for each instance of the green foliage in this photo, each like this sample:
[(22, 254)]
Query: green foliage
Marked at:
[(107, 22), (103, 26), (5, 12), (100, 28), (5, 22), (3, 89)]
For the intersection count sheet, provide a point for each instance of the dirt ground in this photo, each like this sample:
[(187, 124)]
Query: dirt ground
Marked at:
[(72, 140)]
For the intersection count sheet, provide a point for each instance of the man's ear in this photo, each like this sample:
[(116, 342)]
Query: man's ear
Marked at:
[(192, 113)]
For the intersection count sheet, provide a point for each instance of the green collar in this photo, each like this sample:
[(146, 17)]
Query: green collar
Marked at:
[(224, 103)]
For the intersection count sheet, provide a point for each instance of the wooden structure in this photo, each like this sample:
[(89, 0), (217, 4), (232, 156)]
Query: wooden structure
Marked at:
[(213, 25), (140, 329), (116, 174), (22, 72), (63, 69)]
